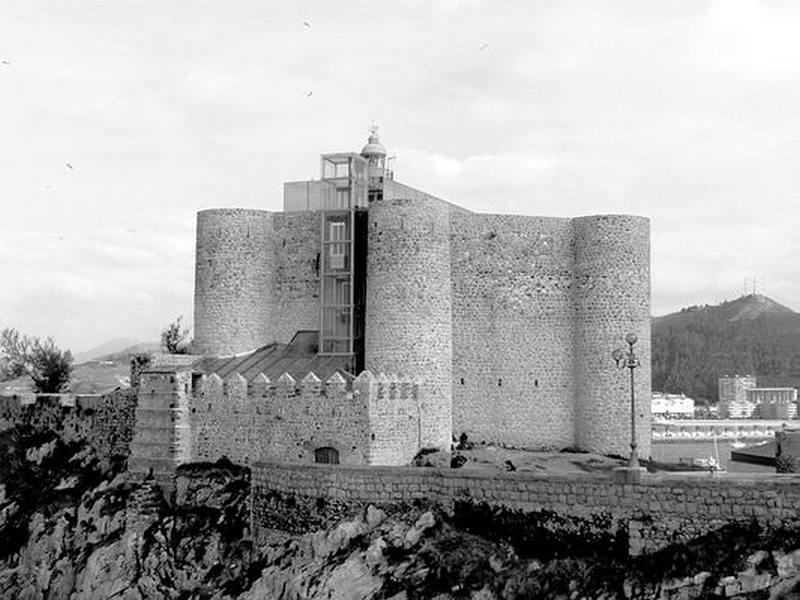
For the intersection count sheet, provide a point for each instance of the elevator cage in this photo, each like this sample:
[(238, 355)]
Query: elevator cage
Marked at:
[(344, 179), (343, 283)]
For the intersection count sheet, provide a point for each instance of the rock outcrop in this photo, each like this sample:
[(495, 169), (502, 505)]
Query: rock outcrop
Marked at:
[(75, 528)]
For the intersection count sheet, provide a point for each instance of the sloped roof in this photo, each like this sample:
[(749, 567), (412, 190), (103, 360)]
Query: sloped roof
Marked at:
[(297, 358)]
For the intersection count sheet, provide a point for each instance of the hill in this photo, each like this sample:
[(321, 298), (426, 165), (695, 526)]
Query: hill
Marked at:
[(124, 355), (108, 347), (88, 378), (116, 349), (753, 334)]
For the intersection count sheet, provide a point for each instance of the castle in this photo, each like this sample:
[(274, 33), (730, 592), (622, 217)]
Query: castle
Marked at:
[(369, 320)]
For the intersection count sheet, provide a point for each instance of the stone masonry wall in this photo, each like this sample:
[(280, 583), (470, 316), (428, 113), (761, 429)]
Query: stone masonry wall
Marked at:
[(256, 278), (539, 303), (511, 319), (374, 421), (513, 322), (234, 268), (394, 417), (163, 435), (657, 513), (612, 298), (105, 421), (295, 287), (408, 310)]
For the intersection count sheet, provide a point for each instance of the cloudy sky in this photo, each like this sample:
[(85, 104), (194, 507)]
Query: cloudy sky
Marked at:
[(121, 119)]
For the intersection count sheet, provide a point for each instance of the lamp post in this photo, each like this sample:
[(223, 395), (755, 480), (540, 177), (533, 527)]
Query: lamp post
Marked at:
[(629, 360)]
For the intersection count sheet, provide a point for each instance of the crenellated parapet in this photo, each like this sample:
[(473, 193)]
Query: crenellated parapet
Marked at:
[(235, 394), (394, 413), (367, 420)]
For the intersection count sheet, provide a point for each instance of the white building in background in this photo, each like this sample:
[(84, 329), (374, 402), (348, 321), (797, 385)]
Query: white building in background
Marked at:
[(774, 403), (733, 402), (672, 406), (741, 398)]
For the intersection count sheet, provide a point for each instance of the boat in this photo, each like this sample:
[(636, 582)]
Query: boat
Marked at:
[(712, 462), (739, 444), (706, 464)]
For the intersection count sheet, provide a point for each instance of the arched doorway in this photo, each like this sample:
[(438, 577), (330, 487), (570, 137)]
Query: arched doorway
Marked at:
[(326, 456)]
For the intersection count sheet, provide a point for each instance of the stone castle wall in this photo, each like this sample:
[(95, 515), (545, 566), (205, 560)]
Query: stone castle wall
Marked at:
[(538, 305), (105, 421), (511, 318), (296, 285), (409, 310), (658, 512), (185, 418), (612, 298), (513, 329), (234, 269), (256, 278), (163, 428)]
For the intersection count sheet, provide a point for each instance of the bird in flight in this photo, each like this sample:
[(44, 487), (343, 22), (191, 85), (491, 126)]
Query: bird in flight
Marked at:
[(5, 62), (307, 24), (69, 165), (309, 94)]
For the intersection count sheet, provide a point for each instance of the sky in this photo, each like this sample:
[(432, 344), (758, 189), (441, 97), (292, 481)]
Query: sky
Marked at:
[(121, 119)]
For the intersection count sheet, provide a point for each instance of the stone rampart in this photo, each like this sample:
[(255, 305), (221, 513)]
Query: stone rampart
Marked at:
[(105, 421), (408, 324), (512, 319), (296, 284), (163, 432), (184, 418), (660, 511), (539, 303), (513, 329), (234, 266), (612, 298), (256, 278)]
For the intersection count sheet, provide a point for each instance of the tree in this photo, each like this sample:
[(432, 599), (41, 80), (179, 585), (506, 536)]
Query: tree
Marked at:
[(14, 350), (174, 338), (49, 367)]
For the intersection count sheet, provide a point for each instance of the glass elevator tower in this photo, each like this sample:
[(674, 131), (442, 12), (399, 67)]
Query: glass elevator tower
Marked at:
[(348, 183), (343, 257)]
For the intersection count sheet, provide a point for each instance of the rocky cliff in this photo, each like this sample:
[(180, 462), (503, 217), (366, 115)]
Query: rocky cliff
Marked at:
[(73, 527)]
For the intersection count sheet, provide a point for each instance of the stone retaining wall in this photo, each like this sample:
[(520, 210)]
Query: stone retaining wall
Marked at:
[(660, 511), (105, 421)]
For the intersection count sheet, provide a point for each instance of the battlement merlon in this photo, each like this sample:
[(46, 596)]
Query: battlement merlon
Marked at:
[(211, 392)]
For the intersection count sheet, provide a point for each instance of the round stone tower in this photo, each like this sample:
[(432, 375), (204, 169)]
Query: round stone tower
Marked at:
[(409, 311), (612, 298), (233, 277)]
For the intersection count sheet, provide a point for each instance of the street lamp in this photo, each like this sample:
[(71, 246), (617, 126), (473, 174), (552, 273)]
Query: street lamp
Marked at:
[(629, 360)]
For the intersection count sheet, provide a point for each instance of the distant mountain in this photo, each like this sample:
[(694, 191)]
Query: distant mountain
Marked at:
[(124, 355), (104, 349), (95, 371), (753, 334), (87, 378)]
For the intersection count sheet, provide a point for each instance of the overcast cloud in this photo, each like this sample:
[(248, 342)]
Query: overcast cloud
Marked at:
[(685, 112)]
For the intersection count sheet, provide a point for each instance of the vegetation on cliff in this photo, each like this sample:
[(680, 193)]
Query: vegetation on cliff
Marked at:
[(48, 367), (175, 338)]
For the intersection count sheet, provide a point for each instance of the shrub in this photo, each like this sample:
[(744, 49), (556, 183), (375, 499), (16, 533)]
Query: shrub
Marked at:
[(174, 338), (49, 367)]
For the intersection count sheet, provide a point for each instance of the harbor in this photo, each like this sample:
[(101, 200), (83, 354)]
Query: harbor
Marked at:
[(684, 452)]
